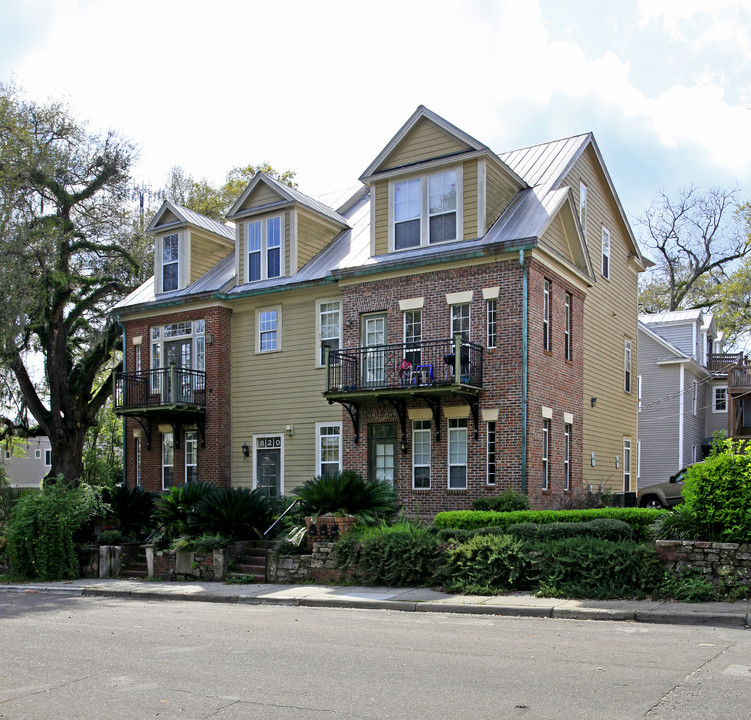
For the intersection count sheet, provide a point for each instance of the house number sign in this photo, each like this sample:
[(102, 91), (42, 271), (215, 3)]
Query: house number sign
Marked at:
[(270, 442)]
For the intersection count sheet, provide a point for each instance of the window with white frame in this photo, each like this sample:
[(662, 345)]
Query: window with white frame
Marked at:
[(460, 320), (168, 461), (425, 210), (183, 343), (265, 249), (37, 454), (694, 397), (627, 366), (693, 454), (492, 449), (638, 459), (605, 253), (583, 207), (457, 450), (413, 337), (48, 457), (138, 462), (329, 327), (638, 393), (546, 454), (626, 465), (492, 322), (567, 430), (138, 358), (568, 351), (170, 262), (421, 454), (269, 330), (191, 457), (720, 399), (328, 449), (546, 337)]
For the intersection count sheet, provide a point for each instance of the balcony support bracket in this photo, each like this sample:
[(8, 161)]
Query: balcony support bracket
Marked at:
[(474, 407), (400, 406), (145, 424), (354, 415), (434, 403), (201, 424)]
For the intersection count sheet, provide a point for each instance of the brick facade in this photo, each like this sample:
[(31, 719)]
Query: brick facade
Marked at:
[(214, 457), (553, 382)]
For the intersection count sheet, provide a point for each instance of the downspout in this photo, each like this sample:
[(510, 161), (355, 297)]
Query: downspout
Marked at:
[(524, 373), (124, 420)]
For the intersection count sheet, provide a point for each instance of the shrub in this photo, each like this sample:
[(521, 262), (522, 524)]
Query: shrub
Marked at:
[(639, 519), (718, 491), (173, 510), (399, 555), (488, 564), (679, 524), (601, 528), (111, 537), (582, 567), (346, 492), (42, 530), (688, 585), (239, 513), (507, 501), (132, 509)]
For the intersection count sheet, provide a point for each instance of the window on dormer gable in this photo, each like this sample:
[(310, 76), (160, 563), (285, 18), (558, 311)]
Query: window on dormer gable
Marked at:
[(170, 262), (425, 210), (265, 259)]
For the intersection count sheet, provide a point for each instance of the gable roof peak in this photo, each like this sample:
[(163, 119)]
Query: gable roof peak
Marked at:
[(186, 216)]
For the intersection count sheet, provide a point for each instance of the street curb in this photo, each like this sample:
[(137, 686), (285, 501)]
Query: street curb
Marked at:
[(594, 614), (709, 619), (41, 590)]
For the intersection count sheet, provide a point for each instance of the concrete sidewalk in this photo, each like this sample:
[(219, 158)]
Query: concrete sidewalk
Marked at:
[(736, 614)]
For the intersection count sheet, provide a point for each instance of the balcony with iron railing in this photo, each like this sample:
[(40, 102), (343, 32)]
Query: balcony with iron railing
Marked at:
[(171, 388), (425, 367)]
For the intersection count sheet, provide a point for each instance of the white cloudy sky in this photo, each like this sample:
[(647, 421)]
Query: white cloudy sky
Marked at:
[(320, 87)]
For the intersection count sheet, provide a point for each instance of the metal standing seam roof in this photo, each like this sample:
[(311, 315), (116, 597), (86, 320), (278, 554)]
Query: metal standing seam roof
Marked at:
[(184, 215), (671, 316), (545, 164)]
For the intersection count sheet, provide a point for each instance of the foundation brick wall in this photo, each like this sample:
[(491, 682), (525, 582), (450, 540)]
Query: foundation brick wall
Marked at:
[(214, 458), (552, 381)]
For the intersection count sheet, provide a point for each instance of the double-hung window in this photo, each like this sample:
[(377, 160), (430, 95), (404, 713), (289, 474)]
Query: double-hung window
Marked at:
[(492, 322), (268, 336), (170, 262), (546, 333), (138, 462), (413, 337), (191, 457), (605, 253), (567, 428), (168, 461), (265, 256), (421, 454), (425, 210), (329, 449), (492, 449), (460, 321), (627, 366), (626, 465), (457, 447), (329, 326), (720, 404), (568, 352), (546, 454), (583, 207), (694, 397)]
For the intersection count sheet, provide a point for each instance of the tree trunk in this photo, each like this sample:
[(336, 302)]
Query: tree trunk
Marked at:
[(67, 455)]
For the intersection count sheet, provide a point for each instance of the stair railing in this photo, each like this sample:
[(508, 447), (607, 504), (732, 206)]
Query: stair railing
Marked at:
[(266, 542)]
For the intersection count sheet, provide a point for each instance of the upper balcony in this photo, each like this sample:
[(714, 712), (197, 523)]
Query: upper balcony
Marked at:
[(428, 367), (739, 379), (163, 390), (720, 363)]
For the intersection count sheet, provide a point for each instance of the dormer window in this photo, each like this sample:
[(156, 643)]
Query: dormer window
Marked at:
[(170, 264), (425, 210), (265, 258)]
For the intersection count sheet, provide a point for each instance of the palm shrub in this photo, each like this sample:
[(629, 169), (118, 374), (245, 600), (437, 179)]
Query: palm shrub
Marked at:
[(239, 513), (680, 524), (41, 533), (347, 492), (173, 510), (131, 508)]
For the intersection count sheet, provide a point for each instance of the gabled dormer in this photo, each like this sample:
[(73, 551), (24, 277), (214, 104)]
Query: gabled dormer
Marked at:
[(433, 184), (279, 229), (186, 246)]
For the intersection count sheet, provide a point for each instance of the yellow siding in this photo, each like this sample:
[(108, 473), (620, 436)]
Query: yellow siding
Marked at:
[(262, 195), (204, 254), (274, 390), (167, 218), (470, 199), (382, 218), (610, 317), (312, 237), (499, 193), (555, 237), (423, 142)]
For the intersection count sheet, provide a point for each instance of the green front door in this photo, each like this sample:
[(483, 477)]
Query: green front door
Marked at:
[(382, 452)]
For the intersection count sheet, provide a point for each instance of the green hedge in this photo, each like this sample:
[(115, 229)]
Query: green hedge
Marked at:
[(638, 518)]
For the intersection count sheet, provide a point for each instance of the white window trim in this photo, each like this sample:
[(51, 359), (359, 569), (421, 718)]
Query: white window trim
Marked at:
[(714, 399), (628, 375), (430, 454), (185, 454), (488, 423), (320, 425), (567, 433), (48, 451), (638, 393), (546, 454), (264, 247), (627, 465), (278, 348), (694, 397), (281, 458), (451, 319), (568, 326), (605, 253), (139, 469), (320, 302), (583, 207), (491, 302), (547, 335), (163, 465), (449, 464), (182, 260), (37, 454), (424, 215)]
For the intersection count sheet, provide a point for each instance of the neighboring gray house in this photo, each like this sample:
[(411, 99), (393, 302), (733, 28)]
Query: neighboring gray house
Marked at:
[(683, 391), (28, 463)]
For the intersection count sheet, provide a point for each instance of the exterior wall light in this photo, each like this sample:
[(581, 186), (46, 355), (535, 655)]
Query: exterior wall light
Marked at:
[(246, 450)]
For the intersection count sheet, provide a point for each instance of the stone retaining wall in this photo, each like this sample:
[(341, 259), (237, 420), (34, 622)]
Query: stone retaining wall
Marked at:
[(718, 561), (318, 567)]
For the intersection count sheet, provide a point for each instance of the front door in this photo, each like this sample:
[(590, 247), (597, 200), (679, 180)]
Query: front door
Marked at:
[(268, 471), (382, 452), (374, 340)]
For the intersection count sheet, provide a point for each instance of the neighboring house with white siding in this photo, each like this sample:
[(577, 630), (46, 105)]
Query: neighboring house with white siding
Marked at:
[(28, 463), (683, 391)]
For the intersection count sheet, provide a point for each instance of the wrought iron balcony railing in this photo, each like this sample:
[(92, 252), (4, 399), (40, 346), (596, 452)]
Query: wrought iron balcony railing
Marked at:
[(160, 388), (405, 366)]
